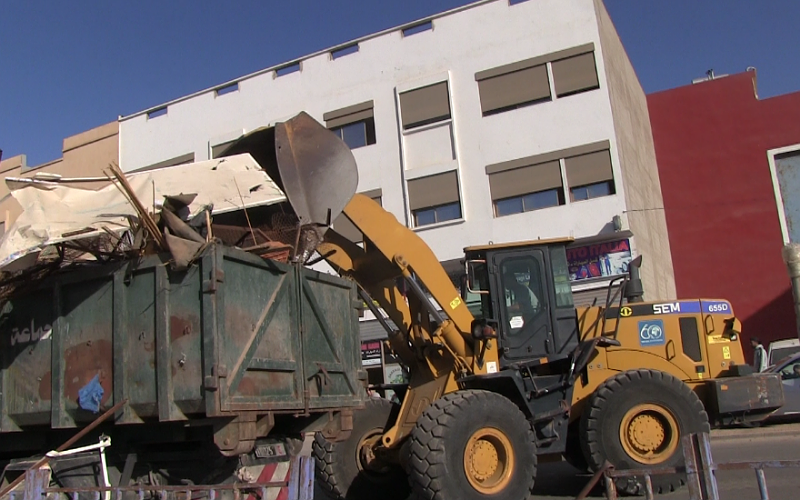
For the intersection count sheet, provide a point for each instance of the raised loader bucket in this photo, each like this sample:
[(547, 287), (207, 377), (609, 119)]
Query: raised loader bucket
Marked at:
[(311, 165)]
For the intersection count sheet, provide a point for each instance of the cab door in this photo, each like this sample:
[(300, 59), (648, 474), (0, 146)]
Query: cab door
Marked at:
[(521, 300)]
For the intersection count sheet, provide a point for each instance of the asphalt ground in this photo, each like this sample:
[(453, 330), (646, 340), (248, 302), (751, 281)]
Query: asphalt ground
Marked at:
[(560, 481)]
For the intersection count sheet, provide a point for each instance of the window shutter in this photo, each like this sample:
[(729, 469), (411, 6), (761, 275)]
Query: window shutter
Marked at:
[(434, 190), (511, 89), (589, 168), (575, 74), (350, 114), (525, 180), (425, 105)]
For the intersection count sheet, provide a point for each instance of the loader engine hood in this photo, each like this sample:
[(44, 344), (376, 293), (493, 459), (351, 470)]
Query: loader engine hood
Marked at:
[(312, 165)]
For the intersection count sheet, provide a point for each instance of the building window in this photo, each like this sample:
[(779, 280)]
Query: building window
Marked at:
[(425, 105), (355, 125), (433, 215), (344, 51), (156, 113), (418, 28), (525, 184), (590, 191), (172, 162), (227, 89), (287, 69), (512, 86), (346, 228), (526, 82), (434, 198), (575, 74), (529, 202), (217, 150), (590, 175)]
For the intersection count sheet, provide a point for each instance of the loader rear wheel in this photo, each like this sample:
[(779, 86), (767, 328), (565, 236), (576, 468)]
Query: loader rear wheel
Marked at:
[(472, 445), (350, 470), (636, 420)]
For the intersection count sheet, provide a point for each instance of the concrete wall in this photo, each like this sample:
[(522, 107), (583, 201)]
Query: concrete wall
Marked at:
[(479, 37), (85, 155), (644, 213), (712, 141)]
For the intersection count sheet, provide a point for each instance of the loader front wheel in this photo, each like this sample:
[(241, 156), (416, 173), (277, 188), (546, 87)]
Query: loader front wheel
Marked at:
[(636, 420), (350, 470), (472, 445)]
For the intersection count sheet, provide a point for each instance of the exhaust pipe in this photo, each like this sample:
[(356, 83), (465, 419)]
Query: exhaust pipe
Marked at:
[(791, 256)]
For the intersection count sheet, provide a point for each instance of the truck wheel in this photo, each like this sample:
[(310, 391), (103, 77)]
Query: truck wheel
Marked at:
[(349, 470), (472, 445), (636, 420), (573, 453)]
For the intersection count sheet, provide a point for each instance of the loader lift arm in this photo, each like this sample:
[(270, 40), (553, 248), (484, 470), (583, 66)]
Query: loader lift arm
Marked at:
[(441, 350)]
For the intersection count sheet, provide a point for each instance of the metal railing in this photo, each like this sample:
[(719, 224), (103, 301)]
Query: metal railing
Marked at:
[(298, 486), (700, 471)]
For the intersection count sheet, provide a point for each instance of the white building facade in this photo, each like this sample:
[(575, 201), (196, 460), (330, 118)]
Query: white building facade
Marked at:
[(499, 121)]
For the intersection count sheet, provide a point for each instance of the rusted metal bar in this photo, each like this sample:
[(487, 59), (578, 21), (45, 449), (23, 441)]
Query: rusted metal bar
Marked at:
[(692, 476), (762, 484), (769, 464), (611, 488), (639, 472), (44, 460), (648, 487), (707, 465), (169, 488), (592, 482)]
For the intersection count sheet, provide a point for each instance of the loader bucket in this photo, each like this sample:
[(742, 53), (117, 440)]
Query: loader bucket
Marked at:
[(311, 165)]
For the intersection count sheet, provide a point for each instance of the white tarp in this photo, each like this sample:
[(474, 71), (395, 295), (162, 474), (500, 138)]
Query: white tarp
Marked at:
[(52, 209)]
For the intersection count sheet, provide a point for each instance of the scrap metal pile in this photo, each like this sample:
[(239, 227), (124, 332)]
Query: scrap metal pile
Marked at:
[(274, 193)]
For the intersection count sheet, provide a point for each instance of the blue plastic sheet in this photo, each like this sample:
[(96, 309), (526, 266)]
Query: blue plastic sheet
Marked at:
[(90, 395)]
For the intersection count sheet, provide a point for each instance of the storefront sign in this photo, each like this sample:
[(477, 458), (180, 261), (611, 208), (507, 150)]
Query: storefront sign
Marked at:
[(599, 260), (371, 353)]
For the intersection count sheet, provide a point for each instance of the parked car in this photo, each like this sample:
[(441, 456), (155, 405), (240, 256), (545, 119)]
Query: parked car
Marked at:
[(789, 370), (781, 349)]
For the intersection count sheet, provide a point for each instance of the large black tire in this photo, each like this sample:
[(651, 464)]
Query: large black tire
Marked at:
[(573, 453), (339, 469), (466, 427), (636, 420)]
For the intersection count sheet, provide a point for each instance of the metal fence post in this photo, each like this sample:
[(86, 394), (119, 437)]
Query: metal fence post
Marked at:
[(762, 484), (707, 464), (306, 478), (36, 481), (692, 476), (611, 488)]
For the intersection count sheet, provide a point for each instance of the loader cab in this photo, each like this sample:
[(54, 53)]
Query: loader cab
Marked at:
[(522, 291)]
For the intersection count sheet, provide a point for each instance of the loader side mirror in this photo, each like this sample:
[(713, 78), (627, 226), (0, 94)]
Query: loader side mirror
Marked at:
[(482, 329), (634, 291), (476, 278)]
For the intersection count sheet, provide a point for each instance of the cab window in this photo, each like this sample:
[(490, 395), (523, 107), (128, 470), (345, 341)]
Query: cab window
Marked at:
[(479, 304), (558, 259), (522, 291)]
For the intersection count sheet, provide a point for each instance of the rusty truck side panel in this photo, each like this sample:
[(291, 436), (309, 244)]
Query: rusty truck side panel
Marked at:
[(232, 334)]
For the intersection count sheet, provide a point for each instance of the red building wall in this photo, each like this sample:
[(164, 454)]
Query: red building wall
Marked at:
[(711, 142)]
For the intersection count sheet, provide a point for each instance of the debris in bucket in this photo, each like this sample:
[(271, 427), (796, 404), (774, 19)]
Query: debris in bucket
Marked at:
[(176, 210)]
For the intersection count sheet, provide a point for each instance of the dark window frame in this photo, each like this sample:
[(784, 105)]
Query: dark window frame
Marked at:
[(589, 196), (559, 191), (369, 132), (435, 211)]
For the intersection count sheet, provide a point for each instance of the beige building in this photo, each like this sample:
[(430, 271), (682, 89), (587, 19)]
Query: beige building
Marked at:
[(85, 155)]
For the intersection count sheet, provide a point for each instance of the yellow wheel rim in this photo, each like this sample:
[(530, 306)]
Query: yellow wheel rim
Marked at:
[(489, 460), (649, 433)]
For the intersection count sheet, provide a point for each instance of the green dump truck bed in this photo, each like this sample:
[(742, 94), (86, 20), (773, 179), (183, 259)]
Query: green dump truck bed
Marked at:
[(233, 336)]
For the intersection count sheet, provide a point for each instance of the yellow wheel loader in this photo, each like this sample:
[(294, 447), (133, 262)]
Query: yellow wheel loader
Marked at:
[(507, 370)]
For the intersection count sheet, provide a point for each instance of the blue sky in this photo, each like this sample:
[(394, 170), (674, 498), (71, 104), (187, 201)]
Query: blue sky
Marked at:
[(66, 67)]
